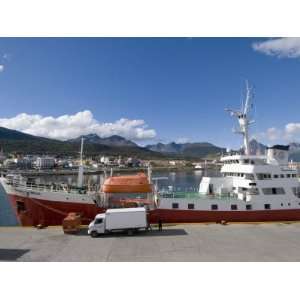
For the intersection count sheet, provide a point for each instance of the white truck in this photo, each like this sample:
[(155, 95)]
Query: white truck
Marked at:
[(119, 219)]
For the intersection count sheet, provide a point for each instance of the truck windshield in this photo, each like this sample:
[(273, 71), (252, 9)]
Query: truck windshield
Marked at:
[(98, 221)]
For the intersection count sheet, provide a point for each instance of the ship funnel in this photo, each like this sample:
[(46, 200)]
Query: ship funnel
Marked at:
[(278, 155)]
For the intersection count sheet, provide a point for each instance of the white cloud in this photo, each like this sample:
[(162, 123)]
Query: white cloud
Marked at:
[(71, 126), (289, 133), (1, 68), (281, 47), (182, 140), (292, 131), (6, 56)]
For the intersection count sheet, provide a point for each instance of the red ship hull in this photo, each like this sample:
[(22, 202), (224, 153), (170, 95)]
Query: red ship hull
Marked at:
[(197, 216), (31, 212), (35, 211)]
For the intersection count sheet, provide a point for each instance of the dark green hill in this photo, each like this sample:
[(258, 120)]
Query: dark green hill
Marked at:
[(12, 141)]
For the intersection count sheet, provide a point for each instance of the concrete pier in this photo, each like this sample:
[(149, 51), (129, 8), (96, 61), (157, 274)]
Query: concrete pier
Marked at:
[(183, 242)]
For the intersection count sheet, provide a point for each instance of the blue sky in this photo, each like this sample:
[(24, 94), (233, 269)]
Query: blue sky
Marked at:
[(149, 89)]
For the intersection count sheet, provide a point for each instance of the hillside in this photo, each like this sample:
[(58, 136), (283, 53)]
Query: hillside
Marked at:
[(114, 140), (12, 141), (199, 150), (18, 142)]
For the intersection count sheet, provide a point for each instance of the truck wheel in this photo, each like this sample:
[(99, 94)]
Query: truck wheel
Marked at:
[(94, 234)]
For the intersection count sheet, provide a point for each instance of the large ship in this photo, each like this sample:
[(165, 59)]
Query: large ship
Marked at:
[(48, 204), (251, 188)]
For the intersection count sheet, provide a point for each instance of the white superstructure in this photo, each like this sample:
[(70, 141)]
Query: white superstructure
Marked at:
[(248, 182)]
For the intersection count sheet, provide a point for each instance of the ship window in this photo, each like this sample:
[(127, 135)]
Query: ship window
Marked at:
[(282, 175), (273, 191), (267, 206), (252, 183), (289, 204), (249, 176), (98, 221), (275, 176), (175, 205), (252, 162), (214, 207), (191, 206), (248, 206), (281, 204), (259, 176), (280, 191), (246, 161), (20, 206), (296, 191), (233, 207), (288, 175), (294, 175), (254, 191)]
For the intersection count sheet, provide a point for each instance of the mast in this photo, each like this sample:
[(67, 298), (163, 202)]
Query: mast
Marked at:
[(149, 172), (80, 168), (243, 118)]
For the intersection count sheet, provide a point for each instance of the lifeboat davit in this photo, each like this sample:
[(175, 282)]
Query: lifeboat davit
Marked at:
[(138, 183)]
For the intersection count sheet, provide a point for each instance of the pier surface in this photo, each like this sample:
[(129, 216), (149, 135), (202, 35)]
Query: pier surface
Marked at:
[(183, 242)]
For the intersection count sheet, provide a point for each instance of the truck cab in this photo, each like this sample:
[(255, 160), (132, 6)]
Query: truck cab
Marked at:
[(97, 226), (119, 219)]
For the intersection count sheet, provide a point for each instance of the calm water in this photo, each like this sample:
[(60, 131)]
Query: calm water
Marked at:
[(180, 181)]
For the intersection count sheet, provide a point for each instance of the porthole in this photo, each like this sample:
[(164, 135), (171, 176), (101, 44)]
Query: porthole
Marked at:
[(248, 206), (191, 206), (233, 207), (175, 205), (267, 206)]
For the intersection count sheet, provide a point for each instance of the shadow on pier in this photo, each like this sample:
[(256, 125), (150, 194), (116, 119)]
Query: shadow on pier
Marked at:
[(140, 233), (12, 254)]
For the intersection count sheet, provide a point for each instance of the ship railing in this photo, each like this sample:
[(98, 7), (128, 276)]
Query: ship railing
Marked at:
[(50, 188), (193, 195)]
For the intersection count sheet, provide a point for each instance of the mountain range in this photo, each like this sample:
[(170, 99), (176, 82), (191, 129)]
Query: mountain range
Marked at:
[(19, 142), (202, 150), (114, 140)]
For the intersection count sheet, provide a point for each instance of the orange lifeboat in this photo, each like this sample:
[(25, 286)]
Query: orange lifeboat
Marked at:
[(127, 184)]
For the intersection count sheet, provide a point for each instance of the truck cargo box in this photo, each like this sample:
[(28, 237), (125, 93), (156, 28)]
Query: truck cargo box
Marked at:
[(126, 218)]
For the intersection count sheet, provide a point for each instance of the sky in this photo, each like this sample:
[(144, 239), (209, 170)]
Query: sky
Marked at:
[(150, 89)]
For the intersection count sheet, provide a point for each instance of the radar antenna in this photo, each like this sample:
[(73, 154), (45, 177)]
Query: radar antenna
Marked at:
[(243, 117)]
